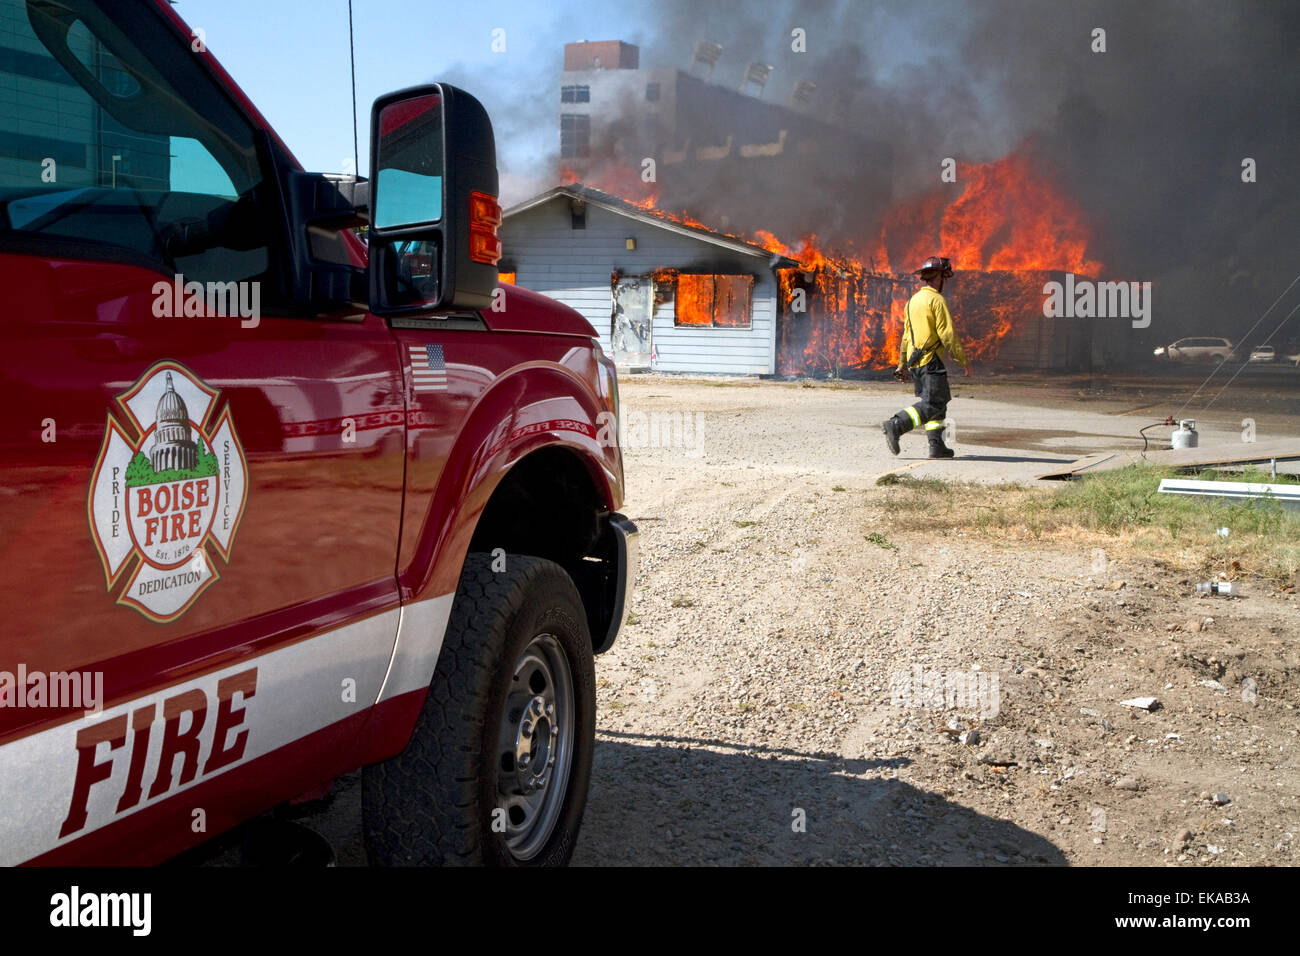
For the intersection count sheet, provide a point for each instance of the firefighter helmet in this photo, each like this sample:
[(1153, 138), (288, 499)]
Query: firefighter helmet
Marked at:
[(935, 264)]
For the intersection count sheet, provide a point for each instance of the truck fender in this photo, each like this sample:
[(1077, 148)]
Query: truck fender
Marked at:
[(531, 407)]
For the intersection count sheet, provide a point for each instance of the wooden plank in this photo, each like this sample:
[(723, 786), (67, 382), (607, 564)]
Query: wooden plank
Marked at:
[(1283, 449)]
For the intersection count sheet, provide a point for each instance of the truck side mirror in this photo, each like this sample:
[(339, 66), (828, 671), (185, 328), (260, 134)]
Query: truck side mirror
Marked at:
[(433, 202)]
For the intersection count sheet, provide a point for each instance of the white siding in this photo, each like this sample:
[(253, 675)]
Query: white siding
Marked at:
[(574, 266)]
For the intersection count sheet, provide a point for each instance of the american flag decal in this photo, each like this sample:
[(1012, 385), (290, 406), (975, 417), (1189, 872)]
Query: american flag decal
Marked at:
[(428, 369)]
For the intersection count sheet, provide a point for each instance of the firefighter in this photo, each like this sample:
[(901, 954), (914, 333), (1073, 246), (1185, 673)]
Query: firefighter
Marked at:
[(927, 331)]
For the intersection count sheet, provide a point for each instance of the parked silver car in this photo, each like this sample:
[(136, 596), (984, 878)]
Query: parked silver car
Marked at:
[(1196, 349)]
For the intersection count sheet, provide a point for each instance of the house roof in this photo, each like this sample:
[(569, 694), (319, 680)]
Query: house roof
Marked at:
[(651, 217)]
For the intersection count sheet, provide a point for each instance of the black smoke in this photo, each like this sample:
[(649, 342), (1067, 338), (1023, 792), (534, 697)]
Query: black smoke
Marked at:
[(1148, 137)]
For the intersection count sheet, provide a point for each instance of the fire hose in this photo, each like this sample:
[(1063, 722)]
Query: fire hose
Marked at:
[(1143, 431)]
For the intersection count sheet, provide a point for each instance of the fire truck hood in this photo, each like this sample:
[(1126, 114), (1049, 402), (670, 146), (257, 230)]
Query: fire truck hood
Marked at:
[(526, 311)]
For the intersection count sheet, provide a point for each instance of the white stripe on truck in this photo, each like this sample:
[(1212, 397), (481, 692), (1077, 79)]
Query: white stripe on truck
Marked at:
[(262, 703)]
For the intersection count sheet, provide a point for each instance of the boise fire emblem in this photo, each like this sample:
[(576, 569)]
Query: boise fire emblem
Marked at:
[(164, 486)]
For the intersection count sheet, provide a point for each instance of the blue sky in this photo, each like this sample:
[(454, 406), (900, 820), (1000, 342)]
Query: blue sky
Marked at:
[(291, 58)]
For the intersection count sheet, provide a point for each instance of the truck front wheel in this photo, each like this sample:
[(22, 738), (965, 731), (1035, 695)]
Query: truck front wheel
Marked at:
[(497, 769)]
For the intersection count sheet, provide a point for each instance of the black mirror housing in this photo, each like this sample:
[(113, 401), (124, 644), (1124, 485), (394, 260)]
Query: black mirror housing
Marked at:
[(432, 249)]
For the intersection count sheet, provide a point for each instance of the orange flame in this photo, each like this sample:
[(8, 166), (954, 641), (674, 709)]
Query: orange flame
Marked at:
[(1003, 225), (1006, 217), (694, 304)]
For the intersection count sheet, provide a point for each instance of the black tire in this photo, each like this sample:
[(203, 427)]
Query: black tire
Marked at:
[(434, 803)]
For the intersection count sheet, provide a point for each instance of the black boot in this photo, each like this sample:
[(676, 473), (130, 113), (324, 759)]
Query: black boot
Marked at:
[(938, 449), (890, 427)]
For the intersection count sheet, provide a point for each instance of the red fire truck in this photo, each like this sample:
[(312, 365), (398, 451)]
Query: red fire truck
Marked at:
[(278, 503)]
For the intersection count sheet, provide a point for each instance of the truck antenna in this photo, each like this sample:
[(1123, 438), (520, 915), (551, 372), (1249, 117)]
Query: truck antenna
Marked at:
[(352, 54)]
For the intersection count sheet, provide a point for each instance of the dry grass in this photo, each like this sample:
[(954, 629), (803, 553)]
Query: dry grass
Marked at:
[(1120, 511)]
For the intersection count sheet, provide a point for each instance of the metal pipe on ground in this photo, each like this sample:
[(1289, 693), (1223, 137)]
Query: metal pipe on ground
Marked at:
[(1288, 496)]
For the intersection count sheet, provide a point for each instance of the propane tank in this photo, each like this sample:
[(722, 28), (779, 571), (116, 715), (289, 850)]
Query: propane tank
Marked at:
[(1185, 436)]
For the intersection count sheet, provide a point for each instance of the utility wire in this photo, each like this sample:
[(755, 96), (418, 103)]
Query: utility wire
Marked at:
[(1244, 364), (1225, 358)]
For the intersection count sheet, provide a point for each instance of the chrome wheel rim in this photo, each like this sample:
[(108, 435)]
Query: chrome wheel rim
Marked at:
[(535, 746)]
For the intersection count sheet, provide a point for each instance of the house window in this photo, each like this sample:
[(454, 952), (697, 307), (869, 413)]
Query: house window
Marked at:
[(652, 92), (575, 136), (575, 94), (714, 301)]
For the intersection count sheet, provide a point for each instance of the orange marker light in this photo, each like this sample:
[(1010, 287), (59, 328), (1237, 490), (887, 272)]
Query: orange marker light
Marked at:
[(484, 217)]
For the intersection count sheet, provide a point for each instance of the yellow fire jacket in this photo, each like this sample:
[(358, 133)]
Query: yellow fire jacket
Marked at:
[(927, 328)]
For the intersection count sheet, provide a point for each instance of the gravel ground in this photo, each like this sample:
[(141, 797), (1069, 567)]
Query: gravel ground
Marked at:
[(767, 702), (756, 711)]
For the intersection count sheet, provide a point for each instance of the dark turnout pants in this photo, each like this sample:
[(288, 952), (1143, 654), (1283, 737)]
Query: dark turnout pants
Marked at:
[(930, 382)]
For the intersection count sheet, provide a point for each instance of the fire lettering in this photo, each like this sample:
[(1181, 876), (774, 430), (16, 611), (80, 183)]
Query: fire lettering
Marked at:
[(228, 719), (184, 717), (179, 510), (177, 744), (141, 722), (89, 773)]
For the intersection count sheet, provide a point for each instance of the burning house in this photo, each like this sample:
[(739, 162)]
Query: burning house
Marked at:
[(668, 293), (1009, 231), (851, 320), (799, 184), (664, 293)]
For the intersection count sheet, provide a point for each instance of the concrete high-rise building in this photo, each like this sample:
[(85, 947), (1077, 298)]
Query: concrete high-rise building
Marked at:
[(732, 154)]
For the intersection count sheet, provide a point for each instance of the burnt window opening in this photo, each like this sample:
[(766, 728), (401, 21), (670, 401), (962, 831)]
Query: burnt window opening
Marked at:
[(714, 301), (575, 94), (577, 214), (575, 136), (652, 92)]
